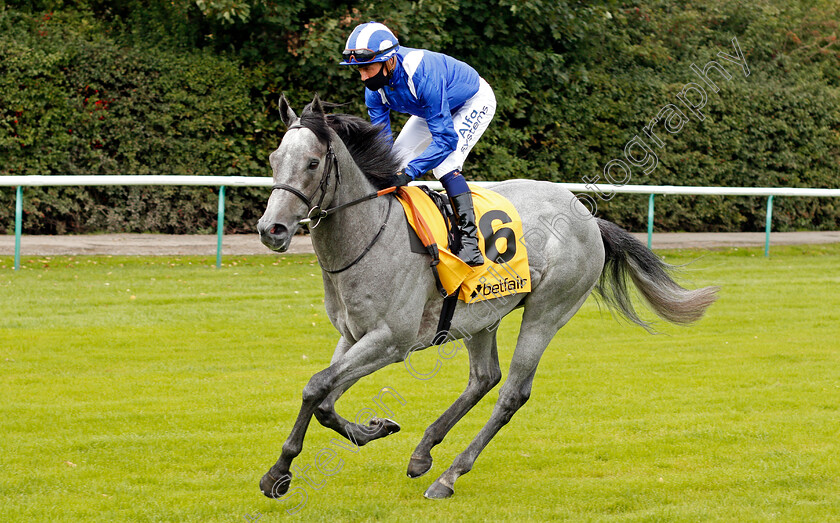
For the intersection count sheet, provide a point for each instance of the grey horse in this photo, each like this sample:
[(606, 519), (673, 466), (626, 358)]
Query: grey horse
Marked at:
[(383, 300)]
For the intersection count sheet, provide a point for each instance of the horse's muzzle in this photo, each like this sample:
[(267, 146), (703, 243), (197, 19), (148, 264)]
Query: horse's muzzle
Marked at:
[(275, 236)]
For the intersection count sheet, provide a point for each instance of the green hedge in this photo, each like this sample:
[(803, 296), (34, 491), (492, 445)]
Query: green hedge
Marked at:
[(181, 87), (76, 102)]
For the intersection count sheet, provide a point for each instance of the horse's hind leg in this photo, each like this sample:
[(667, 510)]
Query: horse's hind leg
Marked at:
[(513, 394), (549, 306), (484, 375)]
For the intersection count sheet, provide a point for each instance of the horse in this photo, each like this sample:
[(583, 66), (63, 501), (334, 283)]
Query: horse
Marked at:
[(336, 170)]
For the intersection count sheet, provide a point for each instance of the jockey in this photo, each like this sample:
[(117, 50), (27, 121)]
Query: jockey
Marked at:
[(450, 104)]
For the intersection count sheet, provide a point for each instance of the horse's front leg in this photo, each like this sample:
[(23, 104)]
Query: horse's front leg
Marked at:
[(484, 375), (374, 351), (328, 417), (359, 434)]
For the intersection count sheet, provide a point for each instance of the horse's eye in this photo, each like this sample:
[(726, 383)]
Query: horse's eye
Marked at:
[(313, 163)]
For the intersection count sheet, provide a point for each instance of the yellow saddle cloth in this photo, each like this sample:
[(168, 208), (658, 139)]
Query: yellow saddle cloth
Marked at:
[(505, 270)]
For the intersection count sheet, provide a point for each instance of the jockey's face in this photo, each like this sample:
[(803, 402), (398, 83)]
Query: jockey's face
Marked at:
[(370, 70)]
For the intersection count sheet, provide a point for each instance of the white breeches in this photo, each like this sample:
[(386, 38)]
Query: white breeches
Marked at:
[(470, 122)]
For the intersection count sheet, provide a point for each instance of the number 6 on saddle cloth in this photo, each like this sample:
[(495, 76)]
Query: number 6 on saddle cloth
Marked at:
[(505, 270)]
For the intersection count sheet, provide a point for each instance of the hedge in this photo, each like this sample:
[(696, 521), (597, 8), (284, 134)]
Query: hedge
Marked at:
[(182, 87)]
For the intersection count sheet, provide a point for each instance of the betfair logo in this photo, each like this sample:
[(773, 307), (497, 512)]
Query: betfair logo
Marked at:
[(506, 286)]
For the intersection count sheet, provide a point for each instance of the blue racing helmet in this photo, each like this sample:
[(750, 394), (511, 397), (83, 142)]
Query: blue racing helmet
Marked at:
[(369, 43)]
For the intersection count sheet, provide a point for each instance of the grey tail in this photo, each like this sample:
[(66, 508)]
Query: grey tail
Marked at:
[(626, 256)]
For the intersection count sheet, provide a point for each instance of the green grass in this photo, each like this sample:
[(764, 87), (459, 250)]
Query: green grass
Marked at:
[(161, 389)]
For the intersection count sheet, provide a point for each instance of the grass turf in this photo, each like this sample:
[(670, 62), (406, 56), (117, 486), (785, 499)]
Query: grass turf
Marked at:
[(161, 389)]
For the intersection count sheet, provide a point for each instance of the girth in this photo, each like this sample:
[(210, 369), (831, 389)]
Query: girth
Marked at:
[(424, 233)]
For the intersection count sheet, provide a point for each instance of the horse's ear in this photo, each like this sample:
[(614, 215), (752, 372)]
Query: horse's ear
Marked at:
[(316, 107), (286, 113)]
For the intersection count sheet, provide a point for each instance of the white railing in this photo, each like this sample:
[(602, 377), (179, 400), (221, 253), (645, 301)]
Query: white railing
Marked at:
[(254, 181)]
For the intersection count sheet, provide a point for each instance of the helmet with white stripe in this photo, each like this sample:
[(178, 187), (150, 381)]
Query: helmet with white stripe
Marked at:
[(369, 43)]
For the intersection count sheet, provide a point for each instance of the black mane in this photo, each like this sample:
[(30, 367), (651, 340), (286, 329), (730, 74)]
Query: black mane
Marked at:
[(367, 145)]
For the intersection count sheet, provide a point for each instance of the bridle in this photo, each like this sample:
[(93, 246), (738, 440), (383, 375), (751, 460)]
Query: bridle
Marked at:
[(317, 213)]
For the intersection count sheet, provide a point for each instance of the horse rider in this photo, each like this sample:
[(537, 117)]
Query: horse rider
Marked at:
[(450, 107)]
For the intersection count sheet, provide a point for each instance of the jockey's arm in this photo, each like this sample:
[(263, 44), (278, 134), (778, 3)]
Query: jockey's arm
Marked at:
[(439, 119)]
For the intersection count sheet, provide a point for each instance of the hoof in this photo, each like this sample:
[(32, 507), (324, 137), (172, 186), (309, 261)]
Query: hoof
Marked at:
[(384, 427), (273, 487), (438, 491), (418, 466)]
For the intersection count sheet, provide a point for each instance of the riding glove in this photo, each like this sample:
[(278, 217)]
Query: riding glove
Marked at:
[(402, 178)]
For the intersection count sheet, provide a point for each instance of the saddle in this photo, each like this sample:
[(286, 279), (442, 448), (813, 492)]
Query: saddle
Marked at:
[(433, 223)]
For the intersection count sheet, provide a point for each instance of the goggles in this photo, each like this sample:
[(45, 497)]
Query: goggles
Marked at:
[(361, 56)]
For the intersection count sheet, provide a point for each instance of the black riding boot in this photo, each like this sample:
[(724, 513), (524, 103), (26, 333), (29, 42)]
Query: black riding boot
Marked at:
[(463, 205)]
